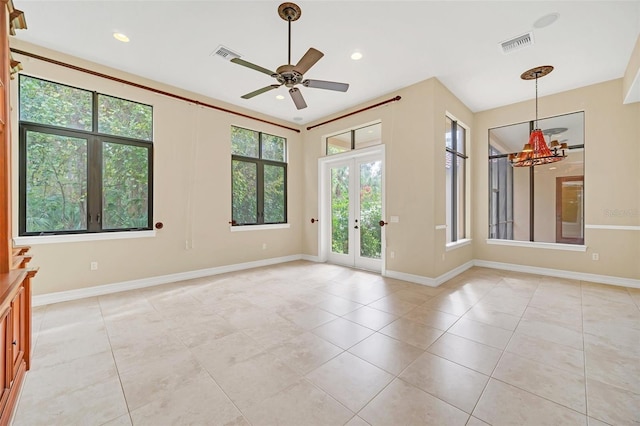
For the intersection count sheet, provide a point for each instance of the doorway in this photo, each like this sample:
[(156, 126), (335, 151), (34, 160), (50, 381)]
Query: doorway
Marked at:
[(569, 214), (352, 206)]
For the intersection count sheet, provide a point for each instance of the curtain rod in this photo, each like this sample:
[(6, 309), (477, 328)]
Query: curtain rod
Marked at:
[(142, 86), (397, 98)]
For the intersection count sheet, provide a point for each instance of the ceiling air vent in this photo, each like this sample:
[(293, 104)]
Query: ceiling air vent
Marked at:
[(517, 43), (225, 53)]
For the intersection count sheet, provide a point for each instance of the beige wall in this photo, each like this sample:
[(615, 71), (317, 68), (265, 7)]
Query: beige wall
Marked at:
[(632, 73), (612, 181), (192, 197), (413, 132)]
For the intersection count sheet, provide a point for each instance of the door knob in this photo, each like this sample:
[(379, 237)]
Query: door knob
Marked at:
[(382, 223), (355, 227)]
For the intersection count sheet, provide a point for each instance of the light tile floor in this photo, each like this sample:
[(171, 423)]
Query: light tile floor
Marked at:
[(315, 344)]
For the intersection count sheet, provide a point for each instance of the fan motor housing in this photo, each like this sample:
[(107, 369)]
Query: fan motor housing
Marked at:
[(288, 76)]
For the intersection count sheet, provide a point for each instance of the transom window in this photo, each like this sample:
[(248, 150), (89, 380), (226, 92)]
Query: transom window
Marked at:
[(85, 161), (259, 177), (362, 137)]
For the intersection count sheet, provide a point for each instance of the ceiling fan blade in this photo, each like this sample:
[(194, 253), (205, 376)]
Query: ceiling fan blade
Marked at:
[(260, 91), (253, 66), (296, 95), (328, 85), (308, 60)]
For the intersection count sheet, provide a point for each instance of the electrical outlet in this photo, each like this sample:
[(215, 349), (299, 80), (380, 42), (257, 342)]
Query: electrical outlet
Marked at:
[(264, 246), (94, 266), (595, 256), (392, 254), (443, 256)]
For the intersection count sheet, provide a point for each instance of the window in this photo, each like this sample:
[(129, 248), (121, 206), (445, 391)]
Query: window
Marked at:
[(362, 137), (455, 140), (259, 177), (544, 203), (85, 161)]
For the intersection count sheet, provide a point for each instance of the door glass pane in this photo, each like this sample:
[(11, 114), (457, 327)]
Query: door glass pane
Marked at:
[(125, 186), (273, 194), (56, 183), (370, 209), (245, 192), (340, 210)]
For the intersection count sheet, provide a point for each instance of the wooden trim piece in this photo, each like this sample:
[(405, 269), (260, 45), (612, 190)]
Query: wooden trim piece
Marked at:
[(148, 88), (397, 98)]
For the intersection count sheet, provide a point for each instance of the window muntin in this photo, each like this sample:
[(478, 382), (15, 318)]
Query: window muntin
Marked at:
[(358, 138), (74, 180), (259, 177), (529, 203), (455, 169)]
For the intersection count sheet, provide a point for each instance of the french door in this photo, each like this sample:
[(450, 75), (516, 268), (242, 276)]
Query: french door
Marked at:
[(352, 191)]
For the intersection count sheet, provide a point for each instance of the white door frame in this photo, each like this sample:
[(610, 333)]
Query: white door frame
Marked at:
[(324, 203)]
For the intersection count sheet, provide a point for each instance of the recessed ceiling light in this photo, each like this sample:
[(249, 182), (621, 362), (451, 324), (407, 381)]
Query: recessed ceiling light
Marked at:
[(121, 37), (370, 131), (546, 20), (279, 97), (356, 56), (297, 118), (552, 168)]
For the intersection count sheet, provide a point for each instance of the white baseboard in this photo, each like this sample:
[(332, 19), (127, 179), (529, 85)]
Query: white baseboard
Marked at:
[(311, 258), (431, 282), (417, 279), (64, 296), (81, 293), (560, 273)]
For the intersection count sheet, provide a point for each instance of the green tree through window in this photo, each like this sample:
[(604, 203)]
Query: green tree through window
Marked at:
[(259, 177), (82, 169)]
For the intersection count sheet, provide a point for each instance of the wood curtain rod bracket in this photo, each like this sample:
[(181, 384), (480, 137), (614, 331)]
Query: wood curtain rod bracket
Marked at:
[(397, 98), (148, 88)]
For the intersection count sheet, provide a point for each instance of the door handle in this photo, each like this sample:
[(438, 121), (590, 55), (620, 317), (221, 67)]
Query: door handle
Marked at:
[(356, 227), (382, 223)]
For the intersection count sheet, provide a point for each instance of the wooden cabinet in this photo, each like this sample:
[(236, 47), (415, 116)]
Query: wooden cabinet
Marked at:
[(15, 276), (15, 336)]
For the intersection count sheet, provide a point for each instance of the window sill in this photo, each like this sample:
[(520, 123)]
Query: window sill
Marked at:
[(241, 228), (74, 238), (457, 244), (533, 244)]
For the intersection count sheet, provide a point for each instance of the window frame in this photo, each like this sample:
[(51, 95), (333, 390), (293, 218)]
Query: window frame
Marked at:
[(455, 155), (352, 138), (577, 244), (260, 163), (95, 141)]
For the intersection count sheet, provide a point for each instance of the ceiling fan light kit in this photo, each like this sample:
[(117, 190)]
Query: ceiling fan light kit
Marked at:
[(289, 75)]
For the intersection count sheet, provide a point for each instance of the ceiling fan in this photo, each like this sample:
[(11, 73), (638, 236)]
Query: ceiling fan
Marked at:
[(291, 75)]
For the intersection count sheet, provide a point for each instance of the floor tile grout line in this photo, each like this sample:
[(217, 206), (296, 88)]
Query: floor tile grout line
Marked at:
[(501, 355), (115, 364)]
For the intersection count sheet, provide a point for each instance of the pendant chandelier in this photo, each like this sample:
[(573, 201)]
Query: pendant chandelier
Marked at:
[(536, 151)]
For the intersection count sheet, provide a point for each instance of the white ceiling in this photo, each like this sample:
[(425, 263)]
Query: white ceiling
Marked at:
[(402, 43)]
